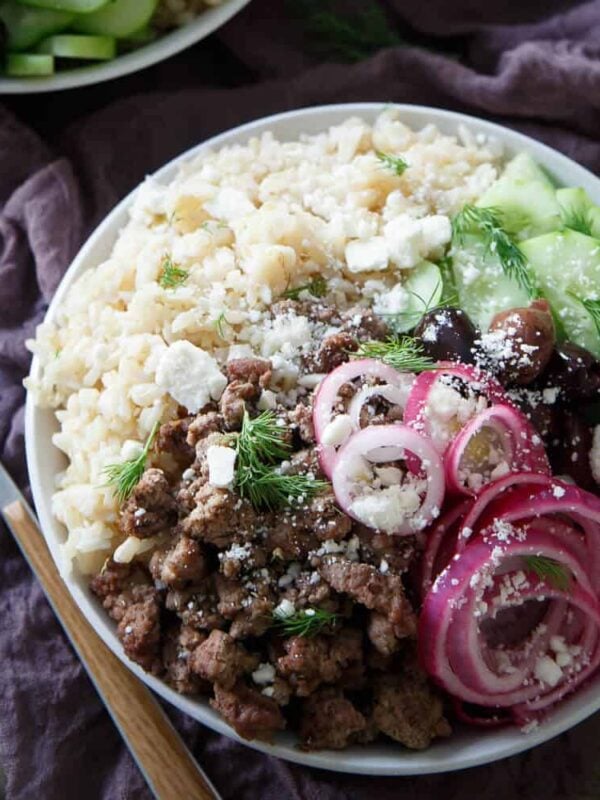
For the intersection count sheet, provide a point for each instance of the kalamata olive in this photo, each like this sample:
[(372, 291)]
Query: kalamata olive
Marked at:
[(544, 415), (527, 344), (574, 371), (447, 335), (569, 452)]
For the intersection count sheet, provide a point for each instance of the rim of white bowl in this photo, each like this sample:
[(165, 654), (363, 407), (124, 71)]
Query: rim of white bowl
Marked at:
[(466, 748), (165, 46)]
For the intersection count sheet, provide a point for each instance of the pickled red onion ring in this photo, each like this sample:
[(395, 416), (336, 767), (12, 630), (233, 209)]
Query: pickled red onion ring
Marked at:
[(522, 447), (381, 444), (452, 648), (415, 413), (327, 396)]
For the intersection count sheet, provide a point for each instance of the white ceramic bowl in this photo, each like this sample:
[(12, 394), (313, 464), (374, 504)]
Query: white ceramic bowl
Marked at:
[(465, 748), (163, 47)]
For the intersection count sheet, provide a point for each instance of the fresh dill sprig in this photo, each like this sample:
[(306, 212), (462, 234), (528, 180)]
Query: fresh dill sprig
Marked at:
[(171, 275), (261, 439), (346, 36), (219, 322), (549, 570), (317, 287), (403, 353), (395, 164), (592, 307), (259, 446), (577, 219), (307, 622), (125, 476), (488, 222)]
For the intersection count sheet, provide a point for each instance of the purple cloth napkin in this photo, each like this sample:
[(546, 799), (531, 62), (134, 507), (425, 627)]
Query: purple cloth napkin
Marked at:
[(66, 159)]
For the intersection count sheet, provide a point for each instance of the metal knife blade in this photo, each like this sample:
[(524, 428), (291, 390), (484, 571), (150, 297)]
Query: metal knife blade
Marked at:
[(9, 492)]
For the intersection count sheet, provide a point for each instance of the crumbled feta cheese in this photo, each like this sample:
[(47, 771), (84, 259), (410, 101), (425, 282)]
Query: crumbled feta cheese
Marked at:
[(285, 609), (239, 351), (190, 375), (367, 255), (229, 204), (558, 491), (404, 240), (391, 301), (337, 431), (267, 400), (547, 671), (550, 395), (131, 450), (264, 674), (436, 232), (389, 508), (221, 465)]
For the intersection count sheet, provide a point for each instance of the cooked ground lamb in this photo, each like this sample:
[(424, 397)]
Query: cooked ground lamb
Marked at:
[(204, 607)]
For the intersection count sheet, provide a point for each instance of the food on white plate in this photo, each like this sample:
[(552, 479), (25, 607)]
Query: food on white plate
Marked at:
[(40, 37), (331, 422)]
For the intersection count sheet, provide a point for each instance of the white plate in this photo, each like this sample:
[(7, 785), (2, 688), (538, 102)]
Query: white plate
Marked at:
[(165, 46), (464, 749)]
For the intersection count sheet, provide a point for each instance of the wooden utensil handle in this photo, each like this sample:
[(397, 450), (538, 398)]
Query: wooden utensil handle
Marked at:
[(168, 767)]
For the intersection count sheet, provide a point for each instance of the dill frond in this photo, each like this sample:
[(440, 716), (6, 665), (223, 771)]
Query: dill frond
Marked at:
[(592, 307), (395, 164), (171, 275), (549, 570), (259, 446), (488, 223), (124, 477), (307, 622), (403, 353), (317, 287)]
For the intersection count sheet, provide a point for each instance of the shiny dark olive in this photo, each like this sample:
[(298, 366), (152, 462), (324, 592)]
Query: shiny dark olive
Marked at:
[(447, 335), (569, 451), (575, 371)]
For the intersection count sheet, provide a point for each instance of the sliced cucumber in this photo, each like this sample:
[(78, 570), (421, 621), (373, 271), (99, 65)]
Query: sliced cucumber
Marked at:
[(120, 19), (578, 212), (66, 45), (29, 65), (526, 197), (567, 263), (75, 6), (483, 288), (25, 27), (425, 287)]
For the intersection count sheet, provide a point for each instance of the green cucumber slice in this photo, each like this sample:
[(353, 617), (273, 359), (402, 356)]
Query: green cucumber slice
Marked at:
[(526, 197), (425, 287), (122, 19), (93, 48), (29, 65), (26, 26), (482, 286), (578, 212), (567, 263), (75, 6)]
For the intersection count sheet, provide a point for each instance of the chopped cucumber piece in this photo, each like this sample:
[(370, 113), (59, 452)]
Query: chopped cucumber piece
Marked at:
[(578, 212), (75, 6), (28, 65), (26, 26), (425, 287), (122, 19), (567, 266), (94, 48), (483, 287), (526, 197)]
